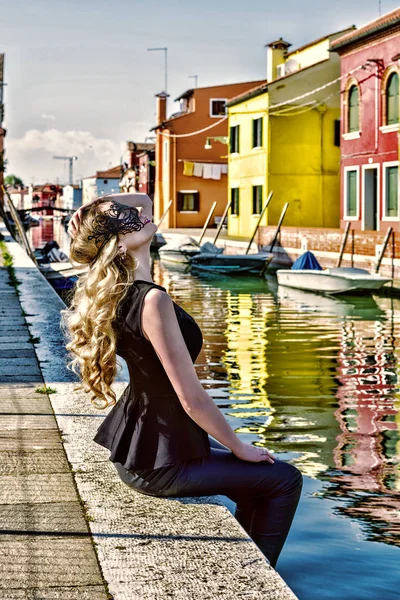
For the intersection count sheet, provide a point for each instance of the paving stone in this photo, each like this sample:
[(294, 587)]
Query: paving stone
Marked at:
[(50, 517), (4, 346), (30, 439), (37, 561), (26, 422), (24, 462), (38, 488), (21, 379), (94, 592), (13, 353), (35, 404)]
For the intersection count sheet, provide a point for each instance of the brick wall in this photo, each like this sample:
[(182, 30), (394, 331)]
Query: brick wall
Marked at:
[(361, 250)]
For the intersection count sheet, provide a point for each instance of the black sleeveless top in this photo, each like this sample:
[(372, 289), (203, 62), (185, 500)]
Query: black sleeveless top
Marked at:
[(148, 428)]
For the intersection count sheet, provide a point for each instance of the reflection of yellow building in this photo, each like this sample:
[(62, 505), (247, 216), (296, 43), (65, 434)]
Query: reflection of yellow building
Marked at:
[(245, 361), (286, 145)]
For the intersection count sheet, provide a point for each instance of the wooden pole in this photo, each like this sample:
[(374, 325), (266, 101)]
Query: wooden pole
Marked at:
[(259, 221), (222, 222), (283, 213), (20, 227), (165, 213), (207, 220), (344, 241), (383, 249)]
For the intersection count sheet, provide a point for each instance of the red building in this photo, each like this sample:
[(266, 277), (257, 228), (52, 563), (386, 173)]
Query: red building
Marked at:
[(45, 196), (370, 68)]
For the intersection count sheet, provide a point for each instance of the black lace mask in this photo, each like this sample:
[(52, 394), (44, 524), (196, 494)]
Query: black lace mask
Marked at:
[(118, 218)]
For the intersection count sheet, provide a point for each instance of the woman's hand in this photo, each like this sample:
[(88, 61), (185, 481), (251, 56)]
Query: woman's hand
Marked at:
[(135, 200), (253, 453)]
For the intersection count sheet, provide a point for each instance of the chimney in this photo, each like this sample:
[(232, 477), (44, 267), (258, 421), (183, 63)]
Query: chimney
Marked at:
[(161, 107), (276, 55)]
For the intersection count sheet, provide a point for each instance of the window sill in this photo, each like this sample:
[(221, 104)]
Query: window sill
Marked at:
[(392, 219), (188, 212), (234, 216), (345, 218), (255, 148), (234, 154), (390, 128), (354, 135), (218, 116)]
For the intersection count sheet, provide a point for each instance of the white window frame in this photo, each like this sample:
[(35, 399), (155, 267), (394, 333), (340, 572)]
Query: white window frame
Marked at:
[(345, 215), (218, 100), (378, 199), (385, 165)]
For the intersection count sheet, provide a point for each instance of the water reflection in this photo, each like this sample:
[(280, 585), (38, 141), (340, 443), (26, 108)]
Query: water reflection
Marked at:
[(313, 378)]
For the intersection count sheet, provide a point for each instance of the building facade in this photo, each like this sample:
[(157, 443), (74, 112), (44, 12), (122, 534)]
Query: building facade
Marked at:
[(71, 197), (2, 130), (370, 107), (191, 170), (139, 169), (101, 184), (284, 138)]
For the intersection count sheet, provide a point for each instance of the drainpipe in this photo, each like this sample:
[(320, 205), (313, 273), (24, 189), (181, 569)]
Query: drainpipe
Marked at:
[(322, 110)]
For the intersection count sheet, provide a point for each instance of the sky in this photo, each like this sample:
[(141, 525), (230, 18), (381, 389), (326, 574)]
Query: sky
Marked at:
[(80, 80)]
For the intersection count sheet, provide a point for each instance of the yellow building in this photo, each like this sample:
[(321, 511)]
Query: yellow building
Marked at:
[(285, 137)]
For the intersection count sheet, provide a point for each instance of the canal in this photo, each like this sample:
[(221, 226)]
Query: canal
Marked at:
[(315, 380)]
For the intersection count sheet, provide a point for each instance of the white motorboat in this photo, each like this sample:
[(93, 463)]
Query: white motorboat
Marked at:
[(339, 280), (182, 250)]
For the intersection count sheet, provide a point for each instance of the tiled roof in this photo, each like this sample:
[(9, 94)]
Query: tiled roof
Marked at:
[(249, 94), (385, 22), (113, 173)]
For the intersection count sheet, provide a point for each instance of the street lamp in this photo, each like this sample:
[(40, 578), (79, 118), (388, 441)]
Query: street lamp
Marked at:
[(219, 138)]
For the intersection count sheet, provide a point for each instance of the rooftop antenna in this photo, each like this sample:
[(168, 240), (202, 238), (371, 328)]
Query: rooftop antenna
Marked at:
[(380, 7), (195, 77)]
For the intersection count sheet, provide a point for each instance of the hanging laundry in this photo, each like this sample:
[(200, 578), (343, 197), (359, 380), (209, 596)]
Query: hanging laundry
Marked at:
[(188, 168), (224, 169), (198, 170), (207, 171), (216, 172)]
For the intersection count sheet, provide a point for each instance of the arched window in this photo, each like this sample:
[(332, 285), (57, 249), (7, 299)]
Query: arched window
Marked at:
[(353, 108), (392, 99)]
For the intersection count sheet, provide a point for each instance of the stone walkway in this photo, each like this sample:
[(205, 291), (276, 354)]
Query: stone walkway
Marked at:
[(46, 550), (68, 519)]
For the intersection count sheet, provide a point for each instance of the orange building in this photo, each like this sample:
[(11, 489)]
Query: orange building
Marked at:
[(187, 172)]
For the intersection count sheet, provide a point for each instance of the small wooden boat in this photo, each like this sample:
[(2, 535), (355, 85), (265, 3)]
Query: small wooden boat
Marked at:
[(181, 250), (231, 264), (338, 280)]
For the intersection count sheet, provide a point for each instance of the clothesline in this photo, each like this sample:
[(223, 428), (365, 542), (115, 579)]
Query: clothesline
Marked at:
[(204, 170)]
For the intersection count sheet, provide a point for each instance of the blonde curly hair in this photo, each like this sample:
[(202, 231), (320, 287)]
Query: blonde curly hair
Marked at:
[(90, 322)]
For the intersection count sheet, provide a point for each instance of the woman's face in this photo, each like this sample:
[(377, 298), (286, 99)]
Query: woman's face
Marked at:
[(135, 239)]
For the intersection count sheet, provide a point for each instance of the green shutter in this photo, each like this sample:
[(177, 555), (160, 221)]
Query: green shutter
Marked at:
[(351, 193), (354, 124), (392, 100), (392, 192)]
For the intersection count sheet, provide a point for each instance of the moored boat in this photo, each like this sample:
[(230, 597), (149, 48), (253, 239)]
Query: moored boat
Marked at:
[(338, 280)]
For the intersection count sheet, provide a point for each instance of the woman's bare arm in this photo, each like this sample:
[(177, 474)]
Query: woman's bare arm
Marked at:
[(160, 326)]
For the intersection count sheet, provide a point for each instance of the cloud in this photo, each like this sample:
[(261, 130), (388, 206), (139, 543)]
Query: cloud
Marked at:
[(48, 117), (32, 154)]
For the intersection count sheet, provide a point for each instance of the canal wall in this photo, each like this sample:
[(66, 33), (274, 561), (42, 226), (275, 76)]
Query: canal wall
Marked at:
[(147, 548), (362, 248)]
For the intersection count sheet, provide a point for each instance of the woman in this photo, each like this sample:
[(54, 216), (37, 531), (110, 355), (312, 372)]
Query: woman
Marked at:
[(158, 431)]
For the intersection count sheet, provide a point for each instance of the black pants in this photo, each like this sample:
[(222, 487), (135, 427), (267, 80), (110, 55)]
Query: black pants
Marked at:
[(266, 494)]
